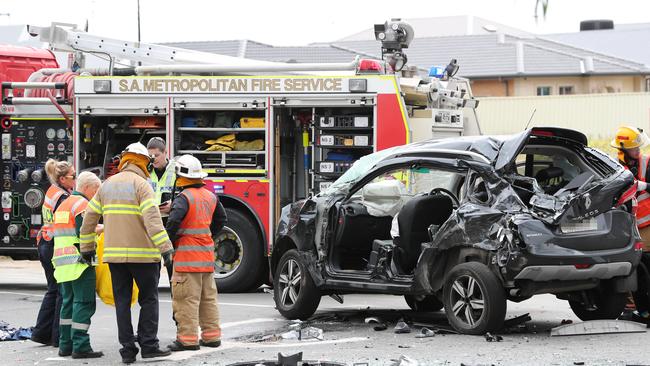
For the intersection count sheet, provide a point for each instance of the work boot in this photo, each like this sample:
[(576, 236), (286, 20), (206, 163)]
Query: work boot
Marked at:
[(44, 341), (177, 346), (634, 317), (213, 344), (156, 353), (128, 354), (63, 353), (89, 354)]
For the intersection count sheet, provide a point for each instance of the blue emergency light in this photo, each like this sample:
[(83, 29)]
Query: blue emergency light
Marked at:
[(437, 72)]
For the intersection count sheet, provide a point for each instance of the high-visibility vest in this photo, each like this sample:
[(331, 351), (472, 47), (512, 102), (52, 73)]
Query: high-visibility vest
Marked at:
[(194, 246), (643, 198), (164, 184), (66, 258), (52, 196)]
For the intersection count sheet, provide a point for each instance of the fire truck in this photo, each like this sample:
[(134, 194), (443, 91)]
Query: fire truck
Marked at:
[(267, 134)]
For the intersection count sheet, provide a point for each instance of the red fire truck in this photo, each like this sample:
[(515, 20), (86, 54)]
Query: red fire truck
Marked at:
[(265, 140)]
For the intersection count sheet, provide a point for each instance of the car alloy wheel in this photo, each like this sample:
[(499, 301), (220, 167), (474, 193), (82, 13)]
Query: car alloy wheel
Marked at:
[(467, 300), (289, 283)]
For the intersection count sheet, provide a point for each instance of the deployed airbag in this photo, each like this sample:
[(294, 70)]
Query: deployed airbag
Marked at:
[(384, 198)]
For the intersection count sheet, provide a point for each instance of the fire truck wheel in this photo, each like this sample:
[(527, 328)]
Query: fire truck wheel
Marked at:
[(239, 256)]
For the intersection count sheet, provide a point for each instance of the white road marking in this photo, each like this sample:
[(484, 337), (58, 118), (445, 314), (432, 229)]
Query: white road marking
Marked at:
[(179, 356), (20, 294), (250, 321)]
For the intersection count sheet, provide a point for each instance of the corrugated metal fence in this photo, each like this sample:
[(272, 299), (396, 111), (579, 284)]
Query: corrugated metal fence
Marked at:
[(596, 115)]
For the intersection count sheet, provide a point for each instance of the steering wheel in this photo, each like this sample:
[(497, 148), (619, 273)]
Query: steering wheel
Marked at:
[(448, 193)]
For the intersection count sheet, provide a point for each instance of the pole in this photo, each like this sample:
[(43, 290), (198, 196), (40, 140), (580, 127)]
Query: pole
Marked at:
[(138, 21)]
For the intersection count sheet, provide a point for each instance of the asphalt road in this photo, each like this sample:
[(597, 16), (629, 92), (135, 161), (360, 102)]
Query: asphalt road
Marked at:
[(250, 320)]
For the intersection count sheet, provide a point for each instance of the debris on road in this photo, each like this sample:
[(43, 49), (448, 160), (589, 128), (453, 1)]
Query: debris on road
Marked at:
[(493, 338), (380, 325), (8, 333), (304, 333), (566, 321), (516, 321), (579, 363), (599, 327), (425, 333), (401, 327), (289, 360), (405, 361)]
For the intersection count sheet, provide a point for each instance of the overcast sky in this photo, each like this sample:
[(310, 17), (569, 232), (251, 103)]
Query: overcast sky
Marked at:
[(299, 22)]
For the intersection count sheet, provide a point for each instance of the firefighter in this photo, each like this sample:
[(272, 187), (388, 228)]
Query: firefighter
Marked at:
[(61, 175), (162, 175), (134, 240), (76, 277), (196, 216), (629, 141)]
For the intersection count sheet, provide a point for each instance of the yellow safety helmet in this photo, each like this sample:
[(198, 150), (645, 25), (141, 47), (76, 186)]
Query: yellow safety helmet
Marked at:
[(629, 138)]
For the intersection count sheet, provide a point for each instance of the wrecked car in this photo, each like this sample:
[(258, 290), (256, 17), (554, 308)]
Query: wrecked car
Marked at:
[(465, 224)]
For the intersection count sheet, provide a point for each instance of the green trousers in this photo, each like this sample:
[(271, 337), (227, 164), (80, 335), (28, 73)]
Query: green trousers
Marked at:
[(77, 309)]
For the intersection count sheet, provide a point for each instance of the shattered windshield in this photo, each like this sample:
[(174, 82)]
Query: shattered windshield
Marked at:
[(359, 170)]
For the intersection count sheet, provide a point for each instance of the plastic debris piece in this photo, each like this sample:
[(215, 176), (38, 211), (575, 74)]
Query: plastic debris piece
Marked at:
[(403, 346), (493, 338), (292, 334), (405, 361), (425, 333), (599, 327), (311, 332), (566, 321), (379, 325), (513, 322), (401, 327), (578, 363)]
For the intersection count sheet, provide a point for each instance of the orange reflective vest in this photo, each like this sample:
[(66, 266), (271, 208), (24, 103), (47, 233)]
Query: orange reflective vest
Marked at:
[(66, 258), (52, 196), (643, 197), (194, 246)]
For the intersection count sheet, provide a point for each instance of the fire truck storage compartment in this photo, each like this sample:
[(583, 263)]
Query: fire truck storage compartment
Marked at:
[(27, 143), (227, 135), (316, 145)]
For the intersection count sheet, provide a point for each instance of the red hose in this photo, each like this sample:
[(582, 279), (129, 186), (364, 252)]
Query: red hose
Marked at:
[(67, 78)]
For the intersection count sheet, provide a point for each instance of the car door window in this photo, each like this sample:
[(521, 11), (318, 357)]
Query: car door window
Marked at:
[(552, 171)]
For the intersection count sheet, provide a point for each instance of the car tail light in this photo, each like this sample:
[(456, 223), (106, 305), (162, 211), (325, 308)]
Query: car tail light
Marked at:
[(629, 194), (370, 67), (536, 132), (582, 266), (638, 246)]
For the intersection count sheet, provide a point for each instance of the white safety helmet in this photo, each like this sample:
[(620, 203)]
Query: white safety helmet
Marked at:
[(137, 148), (189, 167)]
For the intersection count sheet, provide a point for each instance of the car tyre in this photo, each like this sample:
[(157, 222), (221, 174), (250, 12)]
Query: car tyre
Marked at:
[(608, 306), (294, 292), (474, 299), (244, 245), (427, 304)]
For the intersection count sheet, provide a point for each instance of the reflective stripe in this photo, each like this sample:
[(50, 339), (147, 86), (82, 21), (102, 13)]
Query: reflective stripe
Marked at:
[(65, 232), (68, 259), (65, 321), (52, 201), (160, 238), (131, 255), (195, 248), (211, 333), (80, 326), (194, 264), (643, 196), (644, 166), (112, 249), (74, 208), (95, 206), (122, 209), (87, 238), (643, 220), (194, 232), (146, 205), (188, 337)]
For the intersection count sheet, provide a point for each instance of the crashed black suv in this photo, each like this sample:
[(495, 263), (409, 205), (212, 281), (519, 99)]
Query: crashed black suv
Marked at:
[(466, 224)]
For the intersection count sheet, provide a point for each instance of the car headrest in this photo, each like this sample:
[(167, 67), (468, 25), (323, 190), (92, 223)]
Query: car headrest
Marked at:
[(549, 173)]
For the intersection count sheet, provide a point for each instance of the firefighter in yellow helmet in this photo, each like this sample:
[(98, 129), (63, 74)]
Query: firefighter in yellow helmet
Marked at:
[(629, 141)]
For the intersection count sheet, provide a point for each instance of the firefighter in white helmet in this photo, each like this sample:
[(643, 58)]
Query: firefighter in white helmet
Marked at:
[(196, 216), (134, 240)]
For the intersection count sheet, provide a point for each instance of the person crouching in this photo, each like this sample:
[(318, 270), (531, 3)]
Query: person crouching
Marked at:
[(196, 215)]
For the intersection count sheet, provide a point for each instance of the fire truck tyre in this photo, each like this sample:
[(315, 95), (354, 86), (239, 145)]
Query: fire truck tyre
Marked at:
[(294, 292), (607, 306), (239, 256), (474, 299), (427, 304)]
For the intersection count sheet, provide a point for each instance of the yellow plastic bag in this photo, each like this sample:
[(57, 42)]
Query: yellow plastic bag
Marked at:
[(103, 283)]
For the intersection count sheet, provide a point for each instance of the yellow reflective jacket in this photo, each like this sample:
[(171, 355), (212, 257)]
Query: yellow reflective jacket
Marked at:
[(133, 229)]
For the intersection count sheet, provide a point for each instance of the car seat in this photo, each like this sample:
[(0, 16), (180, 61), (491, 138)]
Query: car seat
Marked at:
[(414, 220), (550, 179)]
